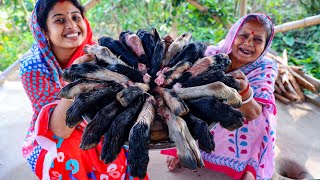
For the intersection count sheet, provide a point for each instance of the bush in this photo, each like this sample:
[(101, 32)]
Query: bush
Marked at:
[(12, 46), (111, 17)]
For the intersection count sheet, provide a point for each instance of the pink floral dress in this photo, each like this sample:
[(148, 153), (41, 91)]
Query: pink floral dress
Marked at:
[(250, 147)]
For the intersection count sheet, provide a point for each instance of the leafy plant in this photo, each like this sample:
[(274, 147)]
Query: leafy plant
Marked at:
[(174, 17), (15, 36)]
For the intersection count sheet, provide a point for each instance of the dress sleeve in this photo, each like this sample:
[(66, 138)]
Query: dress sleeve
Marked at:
[(41, 90)]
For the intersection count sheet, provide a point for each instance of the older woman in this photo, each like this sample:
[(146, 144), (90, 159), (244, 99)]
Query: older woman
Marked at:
[(247, 152), (52, 149)]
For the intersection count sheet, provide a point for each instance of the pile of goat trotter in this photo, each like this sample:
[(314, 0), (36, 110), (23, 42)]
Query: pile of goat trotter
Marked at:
[(143, 78)]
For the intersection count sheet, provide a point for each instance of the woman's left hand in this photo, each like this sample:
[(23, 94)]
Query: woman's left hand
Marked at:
[(250, 109), (241, 78), (84, 58)]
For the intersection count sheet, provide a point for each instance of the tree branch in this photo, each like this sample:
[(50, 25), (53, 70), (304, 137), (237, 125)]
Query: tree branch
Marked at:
[(204, 9), (198, 6), (90, 4)]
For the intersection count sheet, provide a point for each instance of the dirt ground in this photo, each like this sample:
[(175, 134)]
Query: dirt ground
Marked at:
[(298, 140)]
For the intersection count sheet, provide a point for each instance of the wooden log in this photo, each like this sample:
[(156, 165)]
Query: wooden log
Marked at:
[(314, 81), (288, 80), (280, 85), (297, 69), (309, 21), (275, 57), (303, 82), (277, 89), (281, 98), (285, 57), (289, 87), (296, 87), (314, 99), (291, 96), (284, 77)]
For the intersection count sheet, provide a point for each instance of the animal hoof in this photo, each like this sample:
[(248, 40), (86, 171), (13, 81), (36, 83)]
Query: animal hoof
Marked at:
[(235, 99), (233, 120), (188, 162), (235, 126)]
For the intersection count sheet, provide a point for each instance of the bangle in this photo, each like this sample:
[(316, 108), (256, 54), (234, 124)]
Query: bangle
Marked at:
[(245, 91), (250, 98)]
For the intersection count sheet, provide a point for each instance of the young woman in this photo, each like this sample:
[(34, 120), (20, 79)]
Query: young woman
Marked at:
[(52, 149), (246, 153)]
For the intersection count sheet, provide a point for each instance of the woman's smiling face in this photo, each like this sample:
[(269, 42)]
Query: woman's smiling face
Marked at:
[(66, 26), (249, 43)]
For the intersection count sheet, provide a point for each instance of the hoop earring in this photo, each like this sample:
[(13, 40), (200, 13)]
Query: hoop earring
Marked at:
[(48, 40)]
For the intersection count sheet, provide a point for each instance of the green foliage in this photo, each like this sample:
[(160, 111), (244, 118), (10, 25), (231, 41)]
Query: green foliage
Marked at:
[(302, 44), (15, 36), (203, 25), (174, 17), (113, 17), (303, 48), (12, 47)]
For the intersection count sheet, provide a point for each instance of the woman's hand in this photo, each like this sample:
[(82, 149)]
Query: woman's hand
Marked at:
[(243, 81), (84, 58), (57, 122), (251, 108)]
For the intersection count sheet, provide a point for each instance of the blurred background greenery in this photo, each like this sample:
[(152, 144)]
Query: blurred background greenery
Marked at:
[(110, 17)]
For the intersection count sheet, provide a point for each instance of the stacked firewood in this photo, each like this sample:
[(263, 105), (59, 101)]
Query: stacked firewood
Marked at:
[(292, 81)]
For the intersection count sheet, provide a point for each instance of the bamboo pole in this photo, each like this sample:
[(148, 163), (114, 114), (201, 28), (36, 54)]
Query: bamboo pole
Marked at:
[(309, 21)]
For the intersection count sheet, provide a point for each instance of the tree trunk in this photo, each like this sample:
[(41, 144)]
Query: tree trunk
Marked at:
[(243, 8)]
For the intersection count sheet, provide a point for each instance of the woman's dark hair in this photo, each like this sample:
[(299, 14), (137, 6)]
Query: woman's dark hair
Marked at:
[(45, 6)]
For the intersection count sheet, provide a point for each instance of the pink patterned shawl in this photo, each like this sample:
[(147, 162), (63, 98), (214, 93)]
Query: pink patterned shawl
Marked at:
[(251, 147)]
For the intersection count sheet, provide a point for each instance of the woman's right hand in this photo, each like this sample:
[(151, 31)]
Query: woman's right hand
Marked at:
[(84, 58), (57, 122)]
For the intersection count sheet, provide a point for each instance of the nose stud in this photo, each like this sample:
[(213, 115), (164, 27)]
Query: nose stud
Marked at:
[(248, 44)]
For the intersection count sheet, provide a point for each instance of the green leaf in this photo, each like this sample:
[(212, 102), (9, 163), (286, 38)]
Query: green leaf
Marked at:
[(288, 40)]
